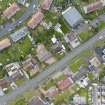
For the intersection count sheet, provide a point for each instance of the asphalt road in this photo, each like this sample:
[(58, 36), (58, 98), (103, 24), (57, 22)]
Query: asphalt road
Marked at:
[(11, 26), (50, 70)]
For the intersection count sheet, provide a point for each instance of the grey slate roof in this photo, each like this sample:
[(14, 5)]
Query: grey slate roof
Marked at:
[(72, 16), (19, 34)]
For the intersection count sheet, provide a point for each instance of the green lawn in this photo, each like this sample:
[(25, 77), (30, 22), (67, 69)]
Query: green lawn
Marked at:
[(84, 36), (80, 60), (64, 25), (100, 43), (16, 52), (101, 25)]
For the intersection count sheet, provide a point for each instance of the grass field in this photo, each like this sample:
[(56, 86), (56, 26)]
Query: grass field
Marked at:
[(84, 36), (80, 60), (16, 51)]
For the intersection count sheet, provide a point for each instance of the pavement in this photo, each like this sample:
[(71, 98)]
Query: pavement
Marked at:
[(11, 26), (60, 65)]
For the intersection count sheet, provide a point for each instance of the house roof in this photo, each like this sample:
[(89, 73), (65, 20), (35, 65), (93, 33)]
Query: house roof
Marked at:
[(52, 91), (35, 20), (72, 36), (13, 70), (63, 84), (3, 83), (93, 6), (10, 11), (95, 62), (72, 16), (37, 101), (46, 4), (19, 34), (42, 53), (4, 43), (30, 65)]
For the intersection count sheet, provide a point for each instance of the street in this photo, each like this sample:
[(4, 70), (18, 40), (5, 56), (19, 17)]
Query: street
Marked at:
[(29, 11), (51, 69)]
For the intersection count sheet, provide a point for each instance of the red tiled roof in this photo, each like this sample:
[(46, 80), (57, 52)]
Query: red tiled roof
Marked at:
[(46, 4), (10, 11), (92, 7), (36, 19), (4, 44), (63, 84)]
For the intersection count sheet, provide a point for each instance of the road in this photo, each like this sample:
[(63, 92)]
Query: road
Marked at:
[(11, 26), (51, 69)]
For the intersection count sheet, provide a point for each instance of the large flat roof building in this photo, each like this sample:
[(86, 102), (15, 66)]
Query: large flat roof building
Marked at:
[(4, 44), (72, 16), (11, 10), (19, 34)]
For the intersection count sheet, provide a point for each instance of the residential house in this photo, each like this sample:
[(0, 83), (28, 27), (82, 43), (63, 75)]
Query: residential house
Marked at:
[(5, 43), (98, 94), (44, 55), (63, 84), (72, 39), (37, 101), (4, 83), (83, 82), (46, 4), (14, 70), (30, 65), (72, 16), (57, 46), (35, 20), (51, 92), (11, 10), (94, 6), (79, 100), (19, 34), (95, 62)]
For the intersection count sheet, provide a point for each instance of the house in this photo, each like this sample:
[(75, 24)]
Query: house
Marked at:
[(14, 70), (95, 62), (4, 83), (44, 55), (94, 6), (98, 94), (46, 4), (72, 16), (35, 20), (57, 46), (11, 10), (72, 39), (51, 92), (63, 84), (5, 43), (30, 65), (21, 33), (79, 100), (37, 101), (83, 82)]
